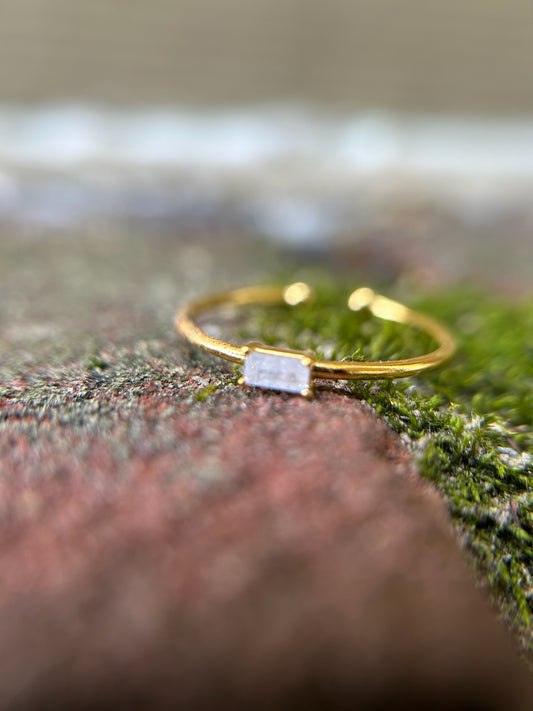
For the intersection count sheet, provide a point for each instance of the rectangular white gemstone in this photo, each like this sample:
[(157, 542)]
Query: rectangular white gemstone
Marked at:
[(278, 370)]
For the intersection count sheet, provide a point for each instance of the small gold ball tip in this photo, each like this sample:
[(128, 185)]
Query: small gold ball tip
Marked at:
[(297, 293), (360, 298)]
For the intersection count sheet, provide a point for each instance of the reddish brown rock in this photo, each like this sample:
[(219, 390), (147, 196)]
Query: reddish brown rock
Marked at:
[(283, 554), (248, 549)]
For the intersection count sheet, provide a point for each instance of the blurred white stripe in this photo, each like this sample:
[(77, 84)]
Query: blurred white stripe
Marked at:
[(294, 173), (70, 136)]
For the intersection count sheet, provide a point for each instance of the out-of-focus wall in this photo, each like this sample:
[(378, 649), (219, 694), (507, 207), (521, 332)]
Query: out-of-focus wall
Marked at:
[(436, 55)]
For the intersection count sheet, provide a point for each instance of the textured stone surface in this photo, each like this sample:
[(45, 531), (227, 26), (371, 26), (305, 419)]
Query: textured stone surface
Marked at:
[(168, 539)]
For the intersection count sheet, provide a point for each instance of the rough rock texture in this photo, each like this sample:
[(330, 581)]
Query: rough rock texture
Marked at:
[(170, 540)]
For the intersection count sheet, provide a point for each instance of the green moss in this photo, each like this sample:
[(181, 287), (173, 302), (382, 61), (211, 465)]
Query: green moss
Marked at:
[(96, 363), (204, 393), (470, 424)]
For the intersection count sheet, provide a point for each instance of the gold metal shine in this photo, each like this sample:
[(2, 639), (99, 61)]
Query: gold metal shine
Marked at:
[(294, 294)]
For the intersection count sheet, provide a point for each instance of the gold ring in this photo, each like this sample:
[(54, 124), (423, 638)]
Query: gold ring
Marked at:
[(292, 371)]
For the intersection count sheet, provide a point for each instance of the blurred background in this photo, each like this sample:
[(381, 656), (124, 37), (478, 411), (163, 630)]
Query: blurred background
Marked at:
[(383, 123)]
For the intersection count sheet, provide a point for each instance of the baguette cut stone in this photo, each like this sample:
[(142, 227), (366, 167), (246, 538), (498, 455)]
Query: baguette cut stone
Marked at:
[(277, 370)]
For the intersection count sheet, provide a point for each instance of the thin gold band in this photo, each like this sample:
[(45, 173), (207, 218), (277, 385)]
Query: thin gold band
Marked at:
[(294, 294)]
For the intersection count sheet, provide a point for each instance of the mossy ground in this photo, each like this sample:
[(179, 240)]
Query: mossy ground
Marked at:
[(469, 424)]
